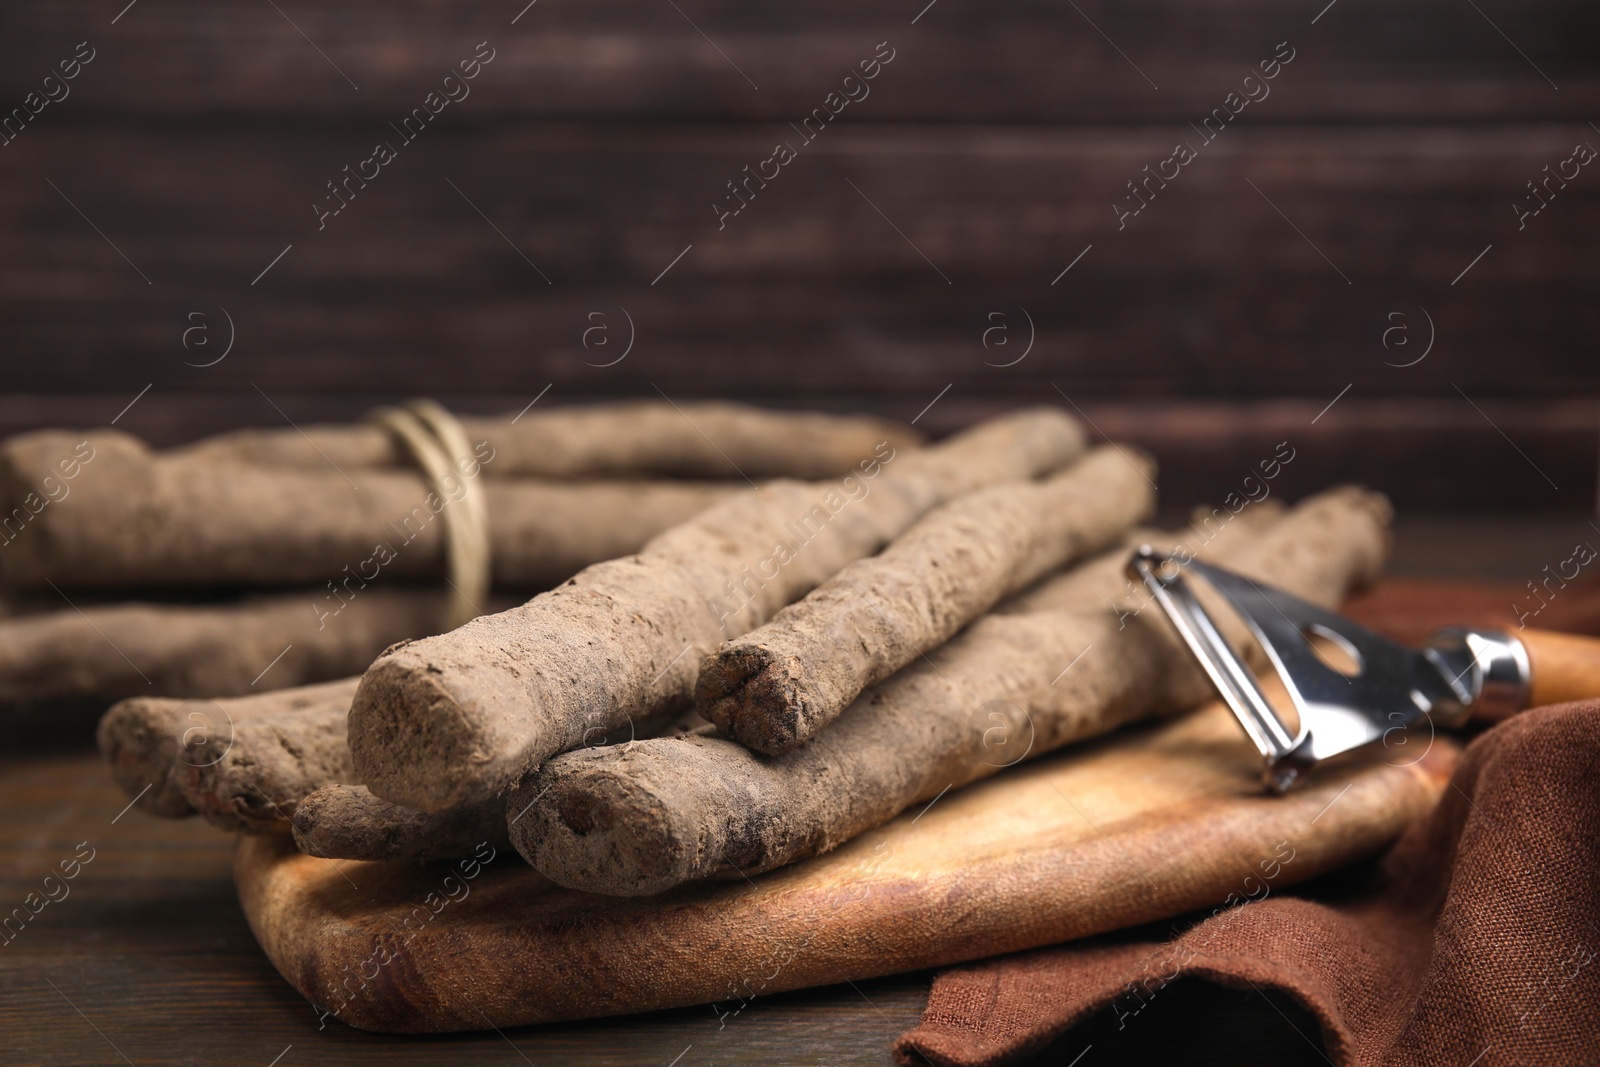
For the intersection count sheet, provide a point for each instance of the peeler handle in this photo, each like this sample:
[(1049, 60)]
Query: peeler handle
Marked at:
[(1561, 667)]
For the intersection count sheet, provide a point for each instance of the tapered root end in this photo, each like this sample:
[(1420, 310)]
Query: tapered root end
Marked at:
[(348, 822), (141, 759), (756, 696), (587, 821), (345, 822), (414, 743), (314, 832)]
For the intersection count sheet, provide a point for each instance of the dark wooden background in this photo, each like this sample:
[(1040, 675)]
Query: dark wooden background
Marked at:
[(1251, 293)]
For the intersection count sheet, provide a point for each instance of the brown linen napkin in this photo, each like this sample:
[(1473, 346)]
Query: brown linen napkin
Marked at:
[(1472, 941)]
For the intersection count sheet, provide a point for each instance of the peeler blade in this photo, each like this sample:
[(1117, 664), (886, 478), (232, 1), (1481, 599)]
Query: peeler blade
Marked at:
[(1390, 689)]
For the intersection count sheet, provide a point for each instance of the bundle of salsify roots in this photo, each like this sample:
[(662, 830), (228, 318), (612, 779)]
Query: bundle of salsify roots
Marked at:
[(261, 559), (799, 662)]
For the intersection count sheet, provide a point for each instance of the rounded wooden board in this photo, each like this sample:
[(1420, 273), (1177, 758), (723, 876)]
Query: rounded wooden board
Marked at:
[(1151, 822)]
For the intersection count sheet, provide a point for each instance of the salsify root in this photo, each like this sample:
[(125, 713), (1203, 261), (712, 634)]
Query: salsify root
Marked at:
[(641, 818), (1104, 581), (141, 518), (252, 777), (226, 649), (653, 438), (452, 720), (348, 822), (773, 688), (152, 743)]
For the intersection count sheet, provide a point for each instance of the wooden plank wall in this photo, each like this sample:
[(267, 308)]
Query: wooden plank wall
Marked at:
[(1360, 205)]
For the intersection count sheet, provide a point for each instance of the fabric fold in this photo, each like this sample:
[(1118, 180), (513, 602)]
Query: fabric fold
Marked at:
[(1471, 941)]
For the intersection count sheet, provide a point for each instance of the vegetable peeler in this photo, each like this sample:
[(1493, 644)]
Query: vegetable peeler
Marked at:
[(1378, 688)]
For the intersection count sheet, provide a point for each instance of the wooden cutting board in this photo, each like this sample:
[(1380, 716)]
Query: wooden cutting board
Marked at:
[(1149, 823)]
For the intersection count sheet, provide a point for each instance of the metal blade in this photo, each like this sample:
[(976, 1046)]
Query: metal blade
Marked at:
[(1394, 686), (1391, 689)]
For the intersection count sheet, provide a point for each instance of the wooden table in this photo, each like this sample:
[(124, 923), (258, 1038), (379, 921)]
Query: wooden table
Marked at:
[(148, 960)]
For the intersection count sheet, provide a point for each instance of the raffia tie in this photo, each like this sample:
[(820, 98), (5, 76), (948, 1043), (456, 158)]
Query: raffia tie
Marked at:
[(437, 443)]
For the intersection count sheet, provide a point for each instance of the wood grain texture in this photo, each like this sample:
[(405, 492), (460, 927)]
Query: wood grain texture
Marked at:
[(1209, 292), (1037, 62), (1563, 666), (1396, 144), (809, 297), (152, 948), (1152, 823)]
